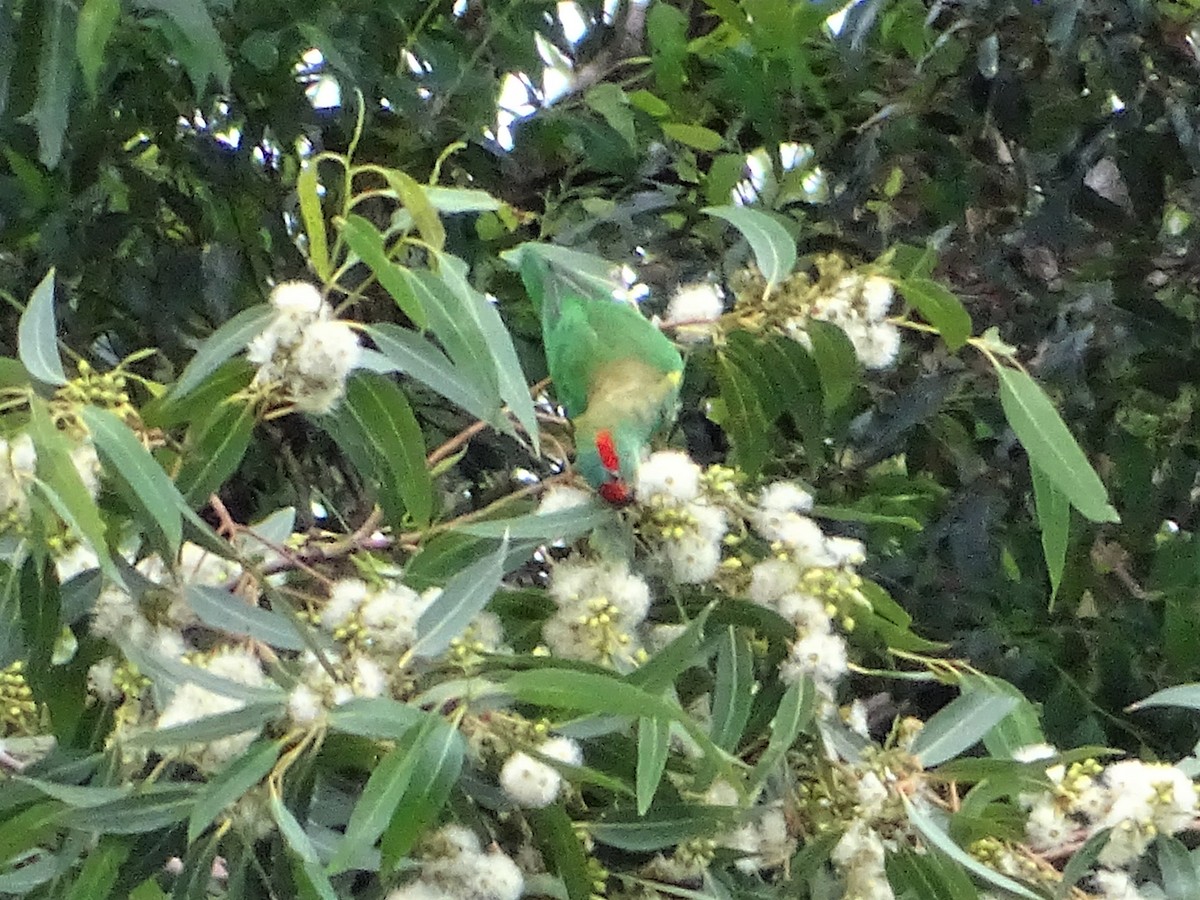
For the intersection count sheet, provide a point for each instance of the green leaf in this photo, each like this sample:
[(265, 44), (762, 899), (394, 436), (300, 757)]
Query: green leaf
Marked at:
[(695, 136), (610, 102), (1054, 520), (153, 808), (1180, 880), (435, 772), (661, 828), (653, 745), (510, 379), (376, 428), (231, 783), (97, 19), (251, 717), (417, 357), (230, 338), (100, 869), (774, 249), (64, 489), (76, 796), (37, 335), (685, 651), (744, 420), (925, 823), (463, 598), (367, 244), (123, 454), (940, 308), (223, 611), (666, 29), (451, 200), (55, 79), (960, 724), (309, 194), (564, 525), (1186, 696), (795, 711), (1081, 863), (30, 826), (195, 40), (563, 849), (215, 452), (836, 362), (1051, 447), (375, 717), (733, 692), (380, 798), (417, 204), (301, 845)]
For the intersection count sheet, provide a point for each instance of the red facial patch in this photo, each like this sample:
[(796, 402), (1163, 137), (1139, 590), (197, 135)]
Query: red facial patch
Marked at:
[(617, 493), (607, 450)]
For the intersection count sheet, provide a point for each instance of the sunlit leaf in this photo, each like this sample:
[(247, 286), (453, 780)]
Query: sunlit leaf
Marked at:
[(55, 79), (1054, 521), (308, 192), (940, 308), (653, 745), (229, 339), (231, 783), (960, 724), (463, 598)]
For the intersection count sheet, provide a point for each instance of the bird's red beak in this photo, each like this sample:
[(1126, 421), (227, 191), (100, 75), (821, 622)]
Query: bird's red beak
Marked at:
[(617, 493)]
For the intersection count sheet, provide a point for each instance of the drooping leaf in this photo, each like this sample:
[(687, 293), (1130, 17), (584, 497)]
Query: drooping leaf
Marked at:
[(1054, 520), (744, 420), (653, 745), (376, 428), (463, 598), (564, 525), (774, 249), (231, 783), (836, 362), (37, 335), (1051, 447), (124, 456), (436, 770), (733, 692), (196, 41), (664, 827), (97, 19), (55, 79), (219, 444), (153, 808), (794, 713), (367, 244), (416, 202)]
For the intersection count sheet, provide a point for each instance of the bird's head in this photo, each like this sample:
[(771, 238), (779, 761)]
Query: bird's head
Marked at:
[(608, 458)]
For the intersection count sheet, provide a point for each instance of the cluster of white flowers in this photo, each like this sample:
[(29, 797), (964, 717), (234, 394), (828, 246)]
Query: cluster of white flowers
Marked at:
[(382, 618), (533, 784), (304, 354), (762, 837), (691, 526), (810, 570), (601, 607), (859, 857), (1135, 800), (455, 867), (693, 312), (18, 467), (858, 304), (190, 702)]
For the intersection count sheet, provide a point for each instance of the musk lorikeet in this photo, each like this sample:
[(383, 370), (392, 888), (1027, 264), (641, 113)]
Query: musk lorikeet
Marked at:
[(614, 372)]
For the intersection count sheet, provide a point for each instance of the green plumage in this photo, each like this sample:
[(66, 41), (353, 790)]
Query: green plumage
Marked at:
[(613, 371)]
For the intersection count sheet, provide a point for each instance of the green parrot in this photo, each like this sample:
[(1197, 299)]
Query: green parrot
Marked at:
[(614, 372)]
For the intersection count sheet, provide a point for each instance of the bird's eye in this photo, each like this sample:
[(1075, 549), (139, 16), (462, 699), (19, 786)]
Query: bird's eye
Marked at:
[(618, 493)]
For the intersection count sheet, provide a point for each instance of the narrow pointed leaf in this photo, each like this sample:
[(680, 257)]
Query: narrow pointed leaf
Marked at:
[(123, 454), (229, 339), (436, 771), (97, 19), (940, 308), (55, 79), (231, 783), (795, 711), (733, 692), (960, 724), (463, 598), (309, 194), (653, 745), (223, 611), (367, 244), (1054, 520), (1051, 447)]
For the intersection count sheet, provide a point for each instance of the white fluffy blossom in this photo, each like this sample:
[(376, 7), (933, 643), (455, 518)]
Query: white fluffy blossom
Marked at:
[(1116, 886), (820, 656), (191, 702), (859, 856), (668, 475), (533, 784), (303, 354), (858, 305), (694, 310), (785, 496), (18, 463), (562, 497), (601, 607), (455, 867), (1145, 799), (771, 579), (386, 616)]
